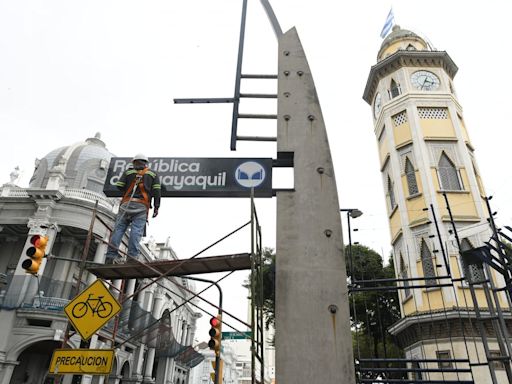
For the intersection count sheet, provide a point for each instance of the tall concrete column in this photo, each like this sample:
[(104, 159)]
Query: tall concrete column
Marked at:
[(313, 340)]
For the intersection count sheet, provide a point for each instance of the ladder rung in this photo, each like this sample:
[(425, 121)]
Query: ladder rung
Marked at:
[(258, 76), (259, 95), (255, 116), (256, 138), (205, 100)]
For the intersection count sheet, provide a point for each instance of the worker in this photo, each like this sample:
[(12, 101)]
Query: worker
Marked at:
[(140, 187)]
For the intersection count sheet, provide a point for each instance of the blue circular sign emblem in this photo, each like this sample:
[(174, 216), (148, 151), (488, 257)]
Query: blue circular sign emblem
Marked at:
[(250, 174)]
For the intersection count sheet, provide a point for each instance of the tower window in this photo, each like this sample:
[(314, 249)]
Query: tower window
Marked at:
[(410, 175), (444, 355), (433, 113), (473, 272), (391, 194), (448, 174), (404, 275), (427, 264), (399, 118), (395, 89)]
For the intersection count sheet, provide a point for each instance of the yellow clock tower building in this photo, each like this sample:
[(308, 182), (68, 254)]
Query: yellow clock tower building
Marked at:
[(433, 192)]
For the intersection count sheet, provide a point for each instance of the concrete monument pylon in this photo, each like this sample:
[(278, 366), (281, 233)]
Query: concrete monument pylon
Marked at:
[(313, 338)]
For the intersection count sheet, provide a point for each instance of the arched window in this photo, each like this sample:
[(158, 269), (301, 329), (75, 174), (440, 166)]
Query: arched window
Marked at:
[(391, 194), (473, 272), (427, 264), (404, 275), (410, 175), (448, 174), (395, 89)]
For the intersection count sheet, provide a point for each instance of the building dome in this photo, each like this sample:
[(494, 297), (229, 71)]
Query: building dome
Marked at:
[(401, 39), (82, 165)]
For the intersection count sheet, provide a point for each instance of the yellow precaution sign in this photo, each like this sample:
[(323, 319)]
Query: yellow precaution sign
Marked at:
[(92, 309), (82, 361)]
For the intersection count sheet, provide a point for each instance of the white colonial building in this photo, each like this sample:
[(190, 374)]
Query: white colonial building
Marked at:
[(59, 202)]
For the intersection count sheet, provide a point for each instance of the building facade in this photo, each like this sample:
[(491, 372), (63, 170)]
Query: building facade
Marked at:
[(64, 194), (426, 154)]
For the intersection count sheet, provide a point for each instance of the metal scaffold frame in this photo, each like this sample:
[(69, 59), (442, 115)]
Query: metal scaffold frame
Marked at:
[(169, 269)]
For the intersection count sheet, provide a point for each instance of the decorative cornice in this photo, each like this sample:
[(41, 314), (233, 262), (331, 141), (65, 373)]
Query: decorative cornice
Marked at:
[(403, 58)]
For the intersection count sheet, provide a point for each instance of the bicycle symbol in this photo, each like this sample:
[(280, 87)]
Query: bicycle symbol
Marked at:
[(102, 308)]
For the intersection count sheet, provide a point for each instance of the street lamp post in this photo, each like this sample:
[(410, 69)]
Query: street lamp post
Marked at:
[(351, 213)]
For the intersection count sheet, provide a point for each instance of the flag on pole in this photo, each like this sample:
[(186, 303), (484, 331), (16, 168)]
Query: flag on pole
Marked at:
[(390, 21)]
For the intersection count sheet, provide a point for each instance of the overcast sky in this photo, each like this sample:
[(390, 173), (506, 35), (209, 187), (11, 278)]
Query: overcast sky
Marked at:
[(69, 69)]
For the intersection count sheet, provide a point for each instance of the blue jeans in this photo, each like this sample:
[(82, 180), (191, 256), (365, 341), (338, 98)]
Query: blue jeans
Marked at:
[(123, 220)]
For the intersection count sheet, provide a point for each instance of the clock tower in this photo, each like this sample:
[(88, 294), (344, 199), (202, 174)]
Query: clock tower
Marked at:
[(426, 160)]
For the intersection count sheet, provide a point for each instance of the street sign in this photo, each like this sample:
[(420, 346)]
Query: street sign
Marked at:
[(201, 177), (92, 309), (236, 335), (82, 361)]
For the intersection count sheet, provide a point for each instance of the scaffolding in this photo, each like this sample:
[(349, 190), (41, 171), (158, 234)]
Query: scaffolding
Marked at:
[(158, 332)]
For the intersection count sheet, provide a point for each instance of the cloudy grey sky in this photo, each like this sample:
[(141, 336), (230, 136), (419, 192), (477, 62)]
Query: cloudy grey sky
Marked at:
[(69, 69)]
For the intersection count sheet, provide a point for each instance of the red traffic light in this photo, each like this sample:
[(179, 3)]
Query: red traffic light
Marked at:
[(215, 333), (214, 322), (39, 241)]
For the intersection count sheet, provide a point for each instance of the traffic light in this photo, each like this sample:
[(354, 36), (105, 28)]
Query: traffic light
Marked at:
[(215, 333), (212, 374), (36, 253)]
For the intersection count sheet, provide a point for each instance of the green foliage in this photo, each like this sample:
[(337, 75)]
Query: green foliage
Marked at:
[(372, 312)]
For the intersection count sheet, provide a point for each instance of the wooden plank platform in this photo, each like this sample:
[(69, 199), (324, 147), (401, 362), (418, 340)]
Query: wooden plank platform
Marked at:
[(139, 270)]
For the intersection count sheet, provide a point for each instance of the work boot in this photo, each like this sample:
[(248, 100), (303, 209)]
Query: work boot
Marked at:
[(119, 260)]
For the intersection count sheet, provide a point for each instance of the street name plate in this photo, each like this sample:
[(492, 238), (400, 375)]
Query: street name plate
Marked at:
[(236, 335), (82, 361), (92, 309)]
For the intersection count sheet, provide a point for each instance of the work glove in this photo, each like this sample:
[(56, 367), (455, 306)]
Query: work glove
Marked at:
[(155, 212)]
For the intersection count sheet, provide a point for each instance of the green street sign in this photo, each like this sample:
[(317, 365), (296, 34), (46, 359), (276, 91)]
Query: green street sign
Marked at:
[(236, 335)]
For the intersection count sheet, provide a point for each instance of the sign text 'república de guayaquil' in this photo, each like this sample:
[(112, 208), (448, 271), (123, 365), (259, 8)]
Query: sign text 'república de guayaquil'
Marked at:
[(201, 177)]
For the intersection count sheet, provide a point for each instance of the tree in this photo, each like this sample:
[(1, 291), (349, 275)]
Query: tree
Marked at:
[(372, 312), (269, 289)]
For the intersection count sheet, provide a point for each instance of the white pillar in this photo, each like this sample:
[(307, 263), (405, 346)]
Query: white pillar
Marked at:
[(87, 379), (6, 370), (150, 360), (99, 257), (158, 303)]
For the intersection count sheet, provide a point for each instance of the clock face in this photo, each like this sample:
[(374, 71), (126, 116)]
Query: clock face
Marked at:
[(425, 81), (377, 105)]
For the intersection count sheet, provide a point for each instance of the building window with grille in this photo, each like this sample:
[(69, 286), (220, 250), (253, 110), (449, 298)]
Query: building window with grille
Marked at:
[(427, 264), (448, 174), (473, 273), (442, 356), (497, 364), (395, 90), (391, 194), (410, 175)]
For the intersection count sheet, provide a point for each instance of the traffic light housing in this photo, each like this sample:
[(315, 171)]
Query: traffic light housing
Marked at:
[(36, 253), (215, 333)]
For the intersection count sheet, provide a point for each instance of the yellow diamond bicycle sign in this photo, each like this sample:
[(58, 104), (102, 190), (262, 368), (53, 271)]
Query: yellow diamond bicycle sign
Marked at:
[(92, 309)]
